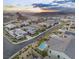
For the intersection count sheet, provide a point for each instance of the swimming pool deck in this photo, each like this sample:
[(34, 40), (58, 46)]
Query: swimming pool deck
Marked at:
[(42, 46)]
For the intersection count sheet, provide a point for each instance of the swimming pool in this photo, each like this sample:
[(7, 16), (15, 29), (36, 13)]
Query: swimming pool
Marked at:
[(42, 46)]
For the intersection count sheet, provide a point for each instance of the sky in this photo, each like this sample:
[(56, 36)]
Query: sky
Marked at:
[(62, 5), (25, 2), (29, 2)]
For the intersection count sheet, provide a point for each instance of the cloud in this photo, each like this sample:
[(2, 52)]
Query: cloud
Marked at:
[(68, 5), (57, 3), (62, 5)]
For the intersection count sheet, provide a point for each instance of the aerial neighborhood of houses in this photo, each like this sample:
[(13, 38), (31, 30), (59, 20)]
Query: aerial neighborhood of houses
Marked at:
[(21, 29), (52, 34)]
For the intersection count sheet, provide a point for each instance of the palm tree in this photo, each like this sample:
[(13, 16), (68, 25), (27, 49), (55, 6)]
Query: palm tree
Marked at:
[(58, 56), (50, 51), (27, 55), (49, 56)]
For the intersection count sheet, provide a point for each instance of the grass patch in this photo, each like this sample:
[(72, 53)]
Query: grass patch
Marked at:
[(42, 53), (42, 40), (36, 33), (16, 57)]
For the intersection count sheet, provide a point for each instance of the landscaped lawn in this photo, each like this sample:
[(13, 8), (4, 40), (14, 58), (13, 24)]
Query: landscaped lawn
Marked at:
[(42, 53), (36, 33)]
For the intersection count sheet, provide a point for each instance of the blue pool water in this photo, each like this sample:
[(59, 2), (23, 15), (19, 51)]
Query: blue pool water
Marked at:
[(42, 46)]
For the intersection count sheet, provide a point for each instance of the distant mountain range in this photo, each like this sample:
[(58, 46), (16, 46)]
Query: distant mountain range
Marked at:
[(52, 13)]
